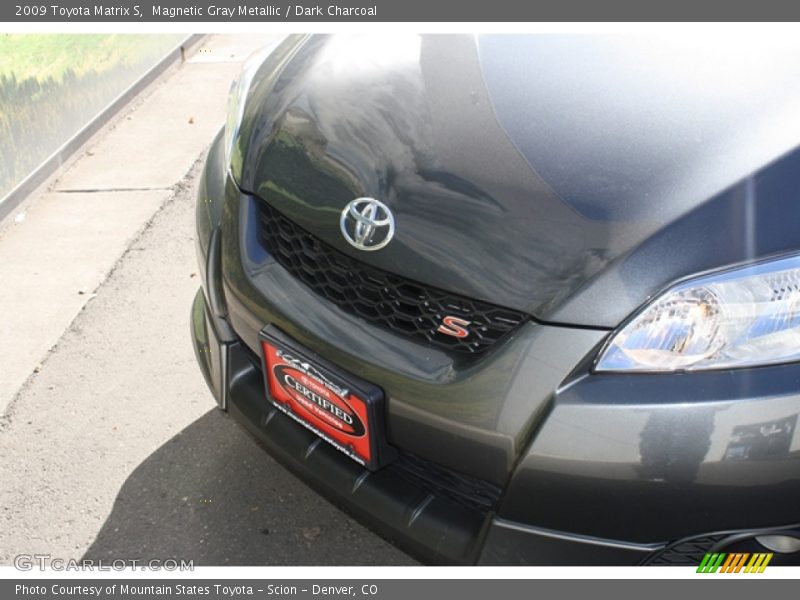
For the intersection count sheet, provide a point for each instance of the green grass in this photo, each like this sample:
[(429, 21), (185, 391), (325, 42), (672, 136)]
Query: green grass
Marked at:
[(40, 56)]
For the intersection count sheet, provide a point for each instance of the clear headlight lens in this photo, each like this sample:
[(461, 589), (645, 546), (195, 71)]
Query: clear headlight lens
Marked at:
[(240, 87), (741, 317)]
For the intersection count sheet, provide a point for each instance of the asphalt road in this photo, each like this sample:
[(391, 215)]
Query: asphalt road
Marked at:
[(114, 448)]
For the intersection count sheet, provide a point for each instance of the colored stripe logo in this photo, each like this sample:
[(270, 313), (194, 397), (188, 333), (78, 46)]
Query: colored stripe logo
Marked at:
[(735, 562)]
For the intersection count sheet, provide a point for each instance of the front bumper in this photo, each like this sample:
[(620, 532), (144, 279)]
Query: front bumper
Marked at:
[(431, 522), (427, 522)]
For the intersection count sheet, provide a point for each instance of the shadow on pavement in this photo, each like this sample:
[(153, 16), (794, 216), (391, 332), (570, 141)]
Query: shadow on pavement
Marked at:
[(212, 495)]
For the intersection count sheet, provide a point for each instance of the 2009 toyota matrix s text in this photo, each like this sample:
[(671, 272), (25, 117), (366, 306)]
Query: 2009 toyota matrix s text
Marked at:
[(517, 299)]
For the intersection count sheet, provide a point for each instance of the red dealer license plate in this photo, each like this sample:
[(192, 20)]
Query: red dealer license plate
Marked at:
[(340, 408)]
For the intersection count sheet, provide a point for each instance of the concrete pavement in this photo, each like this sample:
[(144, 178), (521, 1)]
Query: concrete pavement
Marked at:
[(71, 237)]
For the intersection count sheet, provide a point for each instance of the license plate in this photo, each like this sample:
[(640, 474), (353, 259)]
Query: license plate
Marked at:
[(340, 408)]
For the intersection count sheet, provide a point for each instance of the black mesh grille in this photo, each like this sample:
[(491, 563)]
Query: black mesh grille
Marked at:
[(684, 553), (690, 551), (387, 300), (468, 491)]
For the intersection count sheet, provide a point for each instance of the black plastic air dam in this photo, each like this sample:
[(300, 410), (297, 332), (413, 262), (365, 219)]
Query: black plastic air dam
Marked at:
[(427, 525)]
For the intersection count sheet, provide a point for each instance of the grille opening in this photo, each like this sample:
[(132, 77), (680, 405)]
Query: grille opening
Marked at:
[(404, 306), (466, 490)]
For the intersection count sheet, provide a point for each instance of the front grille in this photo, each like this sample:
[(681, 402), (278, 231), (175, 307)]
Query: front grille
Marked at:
[(466, 490), (401, 305), (690, 551), (686, 553)]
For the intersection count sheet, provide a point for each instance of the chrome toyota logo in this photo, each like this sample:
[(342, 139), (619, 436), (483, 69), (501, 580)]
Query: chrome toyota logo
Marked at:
[(367, 224)]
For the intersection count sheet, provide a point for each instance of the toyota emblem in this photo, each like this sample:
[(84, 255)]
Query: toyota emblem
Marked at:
[(367, 224)]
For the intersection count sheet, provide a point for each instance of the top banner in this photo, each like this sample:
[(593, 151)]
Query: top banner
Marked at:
[(458, 11)]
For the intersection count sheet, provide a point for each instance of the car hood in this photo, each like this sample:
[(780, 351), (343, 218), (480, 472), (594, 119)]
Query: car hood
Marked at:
[(526, 171)]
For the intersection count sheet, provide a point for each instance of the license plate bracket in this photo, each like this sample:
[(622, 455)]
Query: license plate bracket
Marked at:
[(340, 408)]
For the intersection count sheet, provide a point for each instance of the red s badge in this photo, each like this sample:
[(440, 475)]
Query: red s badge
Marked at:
[(454, 326)]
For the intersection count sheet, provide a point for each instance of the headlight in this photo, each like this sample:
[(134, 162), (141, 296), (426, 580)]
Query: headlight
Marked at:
[(736, 318), (238, 97)]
